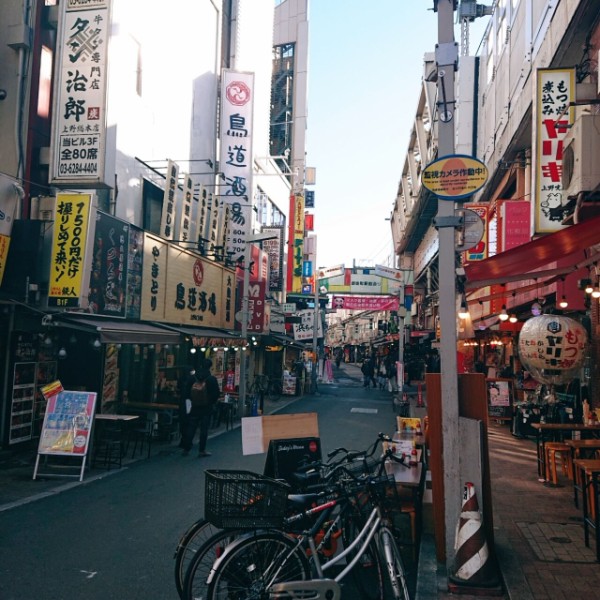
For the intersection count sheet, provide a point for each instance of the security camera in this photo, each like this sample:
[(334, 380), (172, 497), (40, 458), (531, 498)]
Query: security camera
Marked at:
[(3, 94)]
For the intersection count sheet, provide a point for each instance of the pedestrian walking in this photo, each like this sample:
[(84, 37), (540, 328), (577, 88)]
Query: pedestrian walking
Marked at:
[(185, 383), (202, 393), (368, 371)]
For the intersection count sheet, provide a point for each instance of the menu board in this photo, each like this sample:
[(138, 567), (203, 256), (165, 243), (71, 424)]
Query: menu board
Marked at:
[(285, 457), (499, 398), (68, 423)]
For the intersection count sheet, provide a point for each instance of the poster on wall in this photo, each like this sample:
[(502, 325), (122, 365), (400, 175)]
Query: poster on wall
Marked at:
[(499, 396), (108, 278)]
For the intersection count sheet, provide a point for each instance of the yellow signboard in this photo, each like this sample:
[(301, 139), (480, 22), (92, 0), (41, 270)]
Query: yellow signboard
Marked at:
[(454, 177), (69, 244), (4, 244)]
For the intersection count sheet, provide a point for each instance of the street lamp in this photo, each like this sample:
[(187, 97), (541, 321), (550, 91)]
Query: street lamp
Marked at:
[(259, 237)]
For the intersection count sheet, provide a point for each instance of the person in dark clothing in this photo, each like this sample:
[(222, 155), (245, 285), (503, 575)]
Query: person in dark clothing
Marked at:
[(200, 416), (368, 371), (185, 384)]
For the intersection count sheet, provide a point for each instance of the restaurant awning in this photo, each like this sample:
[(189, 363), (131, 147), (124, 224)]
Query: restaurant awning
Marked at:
[(284, 340), (115, 331), (217, 337), (528, 260)]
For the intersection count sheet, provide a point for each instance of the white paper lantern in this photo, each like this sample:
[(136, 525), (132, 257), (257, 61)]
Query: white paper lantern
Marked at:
[(551, 348)]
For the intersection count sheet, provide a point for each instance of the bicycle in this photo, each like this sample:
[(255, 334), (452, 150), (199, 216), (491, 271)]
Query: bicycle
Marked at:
[(266, 386), (202, 543), (253, 563)]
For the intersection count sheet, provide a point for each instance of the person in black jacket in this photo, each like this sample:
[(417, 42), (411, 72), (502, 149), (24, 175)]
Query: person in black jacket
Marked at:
[(200, 416)]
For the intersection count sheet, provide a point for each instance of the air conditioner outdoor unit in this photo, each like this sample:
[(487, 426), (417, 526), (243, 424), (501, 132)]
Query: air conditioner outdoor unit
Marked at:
[(581, 149)]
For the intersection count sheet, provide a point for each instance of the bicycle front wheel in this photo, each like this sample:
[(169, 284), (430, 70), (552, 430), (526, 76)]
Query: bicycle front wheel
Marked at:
[(195, 582), (251, 566), (188, 545), (394, 566), (368, 571)]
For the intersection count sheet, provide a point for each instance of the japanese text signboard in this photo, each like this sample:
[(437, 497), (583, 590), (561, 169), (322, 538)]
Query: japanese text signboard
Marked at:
[(365, 302), (69, 267), (79, 128), (274, 249), (169, 208), (236, 160), (454, 177), (555, 90), (108, 282)]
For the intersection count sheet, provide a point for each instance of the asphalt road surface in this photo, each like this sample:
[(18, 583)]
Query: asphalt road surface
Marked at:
[(114, 538)]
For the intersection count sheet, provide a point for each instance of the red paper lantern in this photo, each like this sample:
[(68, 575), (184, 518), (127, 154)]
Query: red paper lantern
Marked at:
[(552, 347)]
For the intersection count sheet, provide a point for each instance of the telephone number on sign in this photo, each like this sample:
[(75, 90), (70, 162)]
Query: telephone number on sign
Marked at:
[(76, 168)]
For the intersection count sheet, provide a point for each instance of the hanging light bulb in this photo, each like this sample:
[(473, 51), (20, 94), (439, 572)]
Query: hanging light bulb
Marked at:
[(563, 302), (596, 293), (192, 350), (589, 288), (96, 343), (503, 316), (463, 311), (62, 353), (513, 318)]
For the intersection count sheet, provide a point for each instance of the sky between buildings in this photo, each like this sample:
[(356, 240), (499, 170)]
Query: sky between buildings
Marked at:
[(365, 68)]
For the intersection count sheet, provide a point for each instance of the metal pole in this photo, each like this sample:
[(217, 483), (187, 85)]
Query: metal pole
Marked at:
[(446, 54), (315, 326), (245, 286)]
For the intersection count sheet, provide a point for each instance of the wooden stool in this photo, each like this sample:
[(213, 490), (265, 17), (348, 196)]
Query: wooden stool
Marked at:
[(552, 449)]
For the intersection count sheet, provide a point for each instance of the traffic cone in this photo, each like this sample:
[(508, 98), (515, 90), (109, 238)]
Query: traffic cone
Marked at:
[(473, 566)]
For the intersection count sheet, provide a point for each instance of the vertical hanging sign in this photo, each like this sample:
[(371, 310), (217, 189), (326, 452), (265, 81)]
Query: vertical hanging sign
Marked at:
[(169, 209), (298, 249), (236, 159), (79, 126), (555, 90), (68, 264), (186, 225)]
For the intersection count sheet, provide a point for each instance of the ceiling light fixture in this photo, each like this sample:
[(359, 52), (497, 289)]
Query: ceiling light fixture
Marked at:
[(503, 316), (563, 302)]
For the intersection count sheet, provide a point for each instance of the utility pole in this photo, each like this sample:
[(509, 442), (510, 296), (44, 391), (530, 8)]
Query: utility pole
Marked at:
[(446, 57)]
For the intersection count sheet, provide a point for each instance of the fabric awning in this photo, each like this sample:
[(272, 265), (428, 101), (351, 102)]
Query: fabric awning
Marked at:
[(218, 337), (527, 260), (115, 331), (284, 340)]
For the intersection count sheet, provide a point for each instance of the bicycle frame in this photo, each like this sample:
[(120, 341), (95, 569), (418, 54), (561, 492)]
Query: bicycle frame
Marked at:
[(364, 536)]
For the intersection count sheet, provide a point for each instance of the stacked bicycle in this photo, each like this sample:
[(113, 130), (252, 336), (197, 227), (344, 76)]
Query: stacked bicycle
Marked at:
[(263, 542)]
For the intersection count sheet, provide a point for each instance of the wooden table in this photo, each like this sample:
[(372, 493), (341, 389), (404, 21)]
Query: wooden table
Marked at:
[(117, 438), (408, 477), (590, 473), (547, 431), (579, 447)]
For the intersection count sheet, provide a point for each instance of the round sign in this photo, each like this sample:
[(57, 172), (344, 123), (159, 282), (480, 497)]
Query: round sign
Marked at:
[(551, 348), (472, 229), (454, 177)]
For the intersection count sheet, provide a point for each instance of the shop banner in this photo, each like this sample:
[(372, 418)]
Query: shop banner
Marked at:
[(135, 261), (365, 303), (554, 116), (274, 249), (108, 279), (236, 159), (69, 267), (169, 206), (79, 127)]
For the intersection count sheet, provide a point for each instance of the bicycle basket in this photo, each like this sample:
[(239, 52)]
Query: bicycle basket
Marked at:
[(383, 489), (244, 500)]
